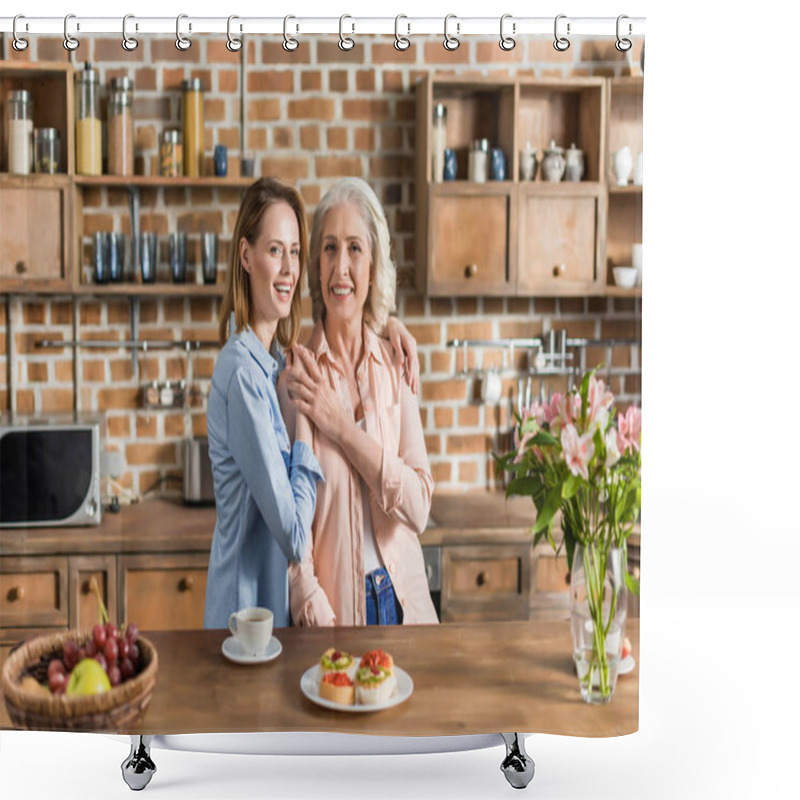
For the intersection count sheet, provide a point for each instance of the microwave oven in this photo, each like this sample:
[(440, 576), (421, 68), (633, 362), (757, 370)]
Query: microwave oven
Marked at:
[(49, 473)]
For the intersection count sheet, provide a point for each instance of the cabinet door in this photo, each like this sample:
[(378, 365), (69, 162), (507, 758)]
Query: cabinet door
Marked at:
[(83, 607), (558, 243), (33, 591), (164, 592), (34, 248), (469, 250), (485, 582)]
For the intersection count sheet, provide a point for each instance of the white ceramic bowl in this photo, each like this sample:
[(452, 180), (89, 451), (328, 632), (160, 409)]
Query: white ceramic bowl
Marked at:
[(625, 277)]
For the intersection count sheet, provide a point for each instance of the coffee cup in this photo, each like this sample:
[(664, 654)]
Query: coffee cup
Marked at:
[(252, 629)]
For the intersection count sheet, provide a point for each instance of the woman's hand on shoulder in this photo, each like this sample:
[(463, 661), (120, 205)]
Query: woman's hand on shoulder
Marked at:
[(312, 394), (405, 352)]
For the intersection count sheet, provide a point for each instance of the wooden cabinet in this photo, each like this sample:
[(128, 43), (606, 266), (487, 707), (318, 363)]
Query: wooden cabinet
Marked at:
[(167, 593), (549, 583), (511, 237), (485, 582), (33, 591), (83, 608)]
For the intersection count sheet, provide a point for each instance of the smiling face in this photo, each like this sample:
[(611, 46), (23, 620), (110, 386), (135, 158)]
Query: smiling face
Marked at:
[(273, 264), (345, 263)]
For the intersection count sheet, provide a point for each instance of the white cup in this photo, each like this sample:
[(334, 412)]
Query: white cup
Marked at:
[(491, 387), (637, 261), (252, 629)]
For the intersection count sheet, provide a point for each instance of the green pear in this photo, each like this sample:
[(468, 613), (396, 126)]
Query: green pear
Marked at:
[(88, 677)]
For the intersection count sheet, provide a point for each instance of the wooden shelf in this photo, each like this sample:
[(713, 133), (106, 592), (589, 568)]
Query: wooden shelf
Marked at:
[(629, 189), (616, 291), (151, 289), (152, 181)]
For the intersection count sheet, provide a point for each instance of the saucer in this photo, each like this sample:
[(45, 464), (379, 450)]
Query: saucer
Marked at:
[(232, 650), (626, 665)]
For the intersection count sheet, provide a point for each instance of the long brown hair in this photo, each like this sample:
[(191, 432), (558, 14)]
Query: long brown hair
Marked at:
[(257, 199)]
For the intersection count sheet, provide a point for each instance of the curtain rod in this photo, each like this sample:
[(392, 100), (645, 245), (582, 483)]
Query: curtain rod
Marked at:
[(350, 25)]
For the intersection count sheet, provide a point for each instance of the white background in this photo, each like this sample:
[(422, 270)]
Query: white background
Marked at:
[(719, 692)]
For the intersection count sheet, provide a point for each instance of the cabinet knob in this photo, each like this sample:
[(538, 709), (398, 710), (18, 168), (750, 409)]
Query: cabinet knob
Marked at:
[(483, 579), (16, 593), (186, 584), (559, 269), (20, 268), (470, 270)]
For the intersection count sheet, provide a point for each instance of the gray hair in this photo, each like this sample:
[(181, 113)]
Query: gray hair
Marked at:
[(381, 298)]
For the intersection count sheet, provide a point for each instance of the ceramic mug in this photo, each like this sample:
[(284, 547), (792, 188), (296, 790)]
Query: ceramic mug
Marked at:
[(221, 161), (252, 629)]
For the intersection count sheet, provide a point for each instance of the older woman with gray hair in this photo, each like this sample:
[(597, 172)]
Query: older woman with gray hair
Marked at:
[(365, 565)]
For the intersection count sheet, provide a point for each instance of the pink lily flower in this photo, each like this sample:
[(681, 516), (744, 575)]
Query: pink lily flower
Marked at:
[(578, 451), (612, 449), (630, 428)]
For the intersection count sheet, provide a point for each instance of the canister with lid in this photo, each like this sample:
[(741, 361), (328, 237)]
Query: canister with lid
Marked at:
[(120, 126), (88, 127), (47, 150), (20, 131), (479, 161), (170, 154), (192, 127)]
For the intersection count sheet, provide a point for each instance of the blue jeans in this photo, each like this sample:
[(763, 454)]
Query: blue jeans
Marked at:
[(383, 607)]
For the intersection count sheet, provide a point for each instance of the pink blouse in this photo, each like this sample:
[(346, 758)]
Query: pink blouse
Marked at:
[(327, 587)]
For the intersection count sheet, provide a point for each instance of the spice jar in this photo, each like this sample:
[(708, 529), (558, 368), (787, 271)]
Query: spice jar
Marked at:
[(192, 127), (478, 169), (120, 126), (439, 141), (88, 128), (170, 154), (47, 150), (20, 132)]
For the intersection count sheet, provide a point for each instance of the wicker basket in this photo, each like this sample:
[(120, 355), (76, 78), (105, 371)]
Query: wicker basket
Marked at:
[(113, 710)]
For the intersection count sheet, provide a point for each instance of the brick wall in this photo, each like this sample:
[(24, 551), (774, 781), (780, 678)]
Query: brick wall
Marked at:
[(311, 117)]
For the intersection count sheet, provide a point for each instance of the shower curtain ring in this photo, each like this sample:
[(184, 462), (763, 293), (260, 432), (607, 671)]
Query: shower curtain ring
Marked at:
[(290, 44), (507, 42), (181, 42), (451, 42), (401, 42), (233, 44), (19, 44), (70, 42), (346, 42), (623, 45), (128, 42), (561, 43)]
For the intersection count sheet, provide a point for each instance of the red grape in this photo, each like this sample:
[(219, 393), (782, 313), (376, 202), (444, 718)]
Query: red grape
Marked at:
[(133, 654), (111, 630), (70, 654), (111, 651), (124, 648), (126, 669), (81, 653), (91, 649), (132, 632), (114, 675), (55, 666), (57, 682), (101, 660), (99, 635)]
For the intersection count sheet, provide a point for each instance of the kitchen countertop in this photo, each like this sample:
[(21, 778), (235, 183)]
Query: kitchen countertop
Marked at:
[(168, 525), (468, 678)]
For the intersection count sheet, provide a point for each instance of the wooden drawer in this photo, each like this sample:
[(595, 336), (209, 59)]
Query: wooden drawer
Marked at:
[(164, 592), (485, 582), (33, 591), (83, 608), (550, 585)]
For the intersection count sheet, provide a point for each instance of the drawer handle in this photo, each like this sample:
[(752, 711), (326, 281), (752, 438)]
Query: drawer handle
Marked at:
[(559, 269), (470, 270), (20, 268), (16, 593), (483, 579), (186, 584)]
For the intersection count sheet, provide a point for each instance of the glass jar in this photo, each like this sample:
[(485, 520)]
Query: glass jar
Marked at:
[(20, 132), (192, 127), (439, 142), (47, 150), (170, 154), (88, 127), (120, 126), (479, 161)]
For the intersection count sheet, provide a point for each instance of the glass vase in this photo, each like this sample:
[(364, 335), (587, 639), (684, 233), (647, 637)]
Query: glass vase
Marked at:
[(598, 609)]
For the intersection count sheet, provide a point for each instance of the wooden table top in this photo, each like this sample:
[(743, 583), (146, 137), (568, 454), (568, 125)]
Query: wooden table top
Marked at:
[(468, 678)]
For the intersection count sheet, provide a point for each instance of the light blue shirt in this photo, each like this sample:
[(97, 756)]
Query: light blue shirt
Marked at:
[(265, 489)]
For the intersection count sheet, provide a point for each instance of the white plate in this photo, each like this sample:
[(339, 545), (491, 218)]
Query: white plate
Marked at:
[(232, 650), (309, 685), (626, 665)]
